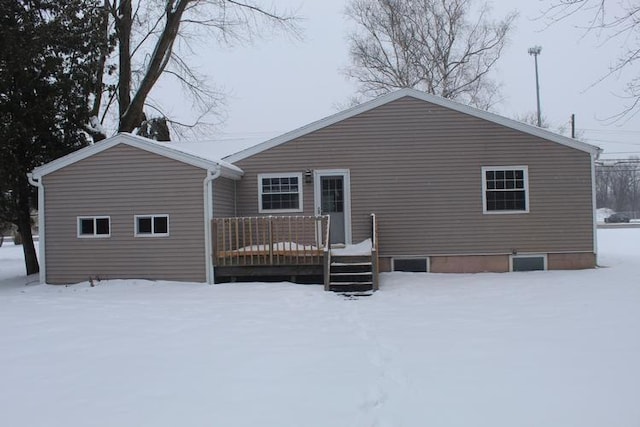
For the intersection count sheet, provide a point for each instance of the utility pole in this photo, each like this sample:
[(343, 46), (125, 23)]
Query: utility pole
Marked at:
[(535, 51), (573, 126)]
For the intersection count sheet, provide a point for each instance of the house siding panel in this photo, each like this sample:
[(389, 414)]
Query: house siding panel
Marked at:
[(418, 167), (224, 197), (121, 182)]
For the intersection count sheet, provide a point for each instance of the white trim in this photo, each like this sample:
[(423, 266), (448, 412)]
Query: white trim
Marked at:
[(298, 175), (163, 149), (393, 96), (594, 208), (525, 169), (42, 262), (528, 255), (137, 233), (317, 196), (95, 234), (207, 194)]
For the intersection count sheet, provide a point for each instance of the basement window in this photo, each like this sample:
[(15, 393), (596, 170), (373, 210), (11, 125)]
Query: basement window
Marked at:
[(528, 262), (152, 225), (416, 265), (94, 227)]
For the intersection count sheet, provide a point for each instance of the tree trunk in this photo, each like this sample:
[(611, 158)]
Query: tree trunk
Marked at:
[(29, 249), (124, 24), (131, 116)]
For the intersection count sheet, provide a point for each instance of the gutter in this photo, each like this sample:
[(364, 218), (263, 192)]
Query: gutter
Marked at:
[(37, 182), (207, 193)]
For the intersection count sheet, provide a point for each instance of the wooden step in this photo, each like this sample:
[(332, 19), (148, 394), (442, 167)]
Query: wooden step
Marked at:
[(351, 273), (350, 286), (350, 259)]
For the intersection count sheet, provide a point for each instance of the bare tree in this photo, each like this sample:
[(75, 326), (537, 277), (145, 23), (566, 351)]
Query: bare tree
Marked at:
[(611, 22), (444, 47), (618, 185), (154, 39)]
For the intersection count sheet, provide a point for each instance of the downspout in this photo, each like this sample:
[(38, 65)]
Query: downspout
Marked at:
[(37, 182), (594, 157), (207, 191)]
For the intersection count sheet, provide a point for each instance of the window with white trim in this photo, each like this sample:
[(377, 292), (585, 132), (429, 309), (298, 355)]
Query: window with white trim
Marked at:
[(152, 225), (280, 192), (505, 189), (94, 226)]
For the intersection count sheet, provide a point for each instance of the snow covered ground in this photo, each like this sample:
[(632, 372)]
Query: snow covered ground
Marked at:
[(519, 349)]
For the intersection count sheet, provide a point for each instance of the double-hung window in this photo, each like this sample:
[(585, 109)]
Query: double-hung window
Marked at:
[(280, 192), (94, 226), (152, 225), (505, 189)]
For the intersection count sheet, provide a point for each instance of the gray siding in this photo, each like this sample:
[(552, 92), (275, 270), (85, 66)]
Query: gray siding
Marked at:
[(122, 182), (418, 167), (224, 197)]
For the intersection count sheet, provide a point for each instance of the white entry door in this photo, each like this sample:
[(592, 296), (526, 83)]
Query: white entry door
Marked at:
[(332, 196)]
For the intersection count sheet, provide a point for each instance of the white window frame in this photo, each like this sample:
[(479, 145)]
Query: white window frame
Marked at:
[(485, 169), (153, 233), (511, 257), (281, 175), (95, 235)]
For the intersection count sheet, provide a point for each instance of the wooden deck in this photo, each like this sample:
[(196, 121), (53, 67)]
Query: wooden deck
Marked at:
[(280, 247), (293, 248)]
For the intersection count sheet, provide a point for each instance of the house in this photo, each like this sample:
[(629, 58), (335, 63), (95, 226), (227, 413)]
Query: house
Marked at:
[(428, 184)]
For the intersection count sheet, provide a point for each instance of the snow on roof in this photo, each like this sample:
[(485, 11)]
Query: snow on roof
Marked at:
[(216, 149)]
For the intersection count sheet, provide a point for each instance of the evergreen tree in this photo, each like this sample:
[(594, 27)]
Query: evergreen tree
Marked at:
[(49, 57)]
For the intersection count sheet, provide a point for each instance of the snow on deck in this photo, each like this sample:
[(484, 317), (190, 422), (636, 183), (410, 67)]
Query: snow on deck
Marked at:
[(555, 348)]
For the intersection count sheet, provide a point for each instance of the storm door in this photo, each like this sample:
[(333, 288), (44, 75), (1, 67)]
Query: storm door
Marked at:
[(332, 198)]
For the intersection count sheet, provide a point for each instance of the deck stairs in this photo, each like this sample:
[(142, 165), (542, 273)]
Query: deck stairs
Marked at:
[(351, 273)]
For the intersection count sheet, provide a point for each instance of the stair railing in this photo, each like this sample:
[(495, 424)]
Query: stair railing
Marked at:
[(327, 255), (374, 252)]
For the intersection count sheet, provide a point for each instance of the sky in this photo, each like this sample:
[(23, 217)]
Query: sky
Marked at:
[(277, 84)]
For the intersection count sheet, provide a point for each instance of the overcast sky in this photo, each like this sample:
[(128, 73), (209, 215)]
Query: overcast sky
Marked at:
[(279, 84)]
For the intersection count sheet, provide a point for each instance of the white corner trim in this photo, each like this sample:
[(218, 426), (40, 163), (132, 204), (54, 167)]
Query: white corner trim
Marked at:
[(594, 206), (42, 262), (207, 195), (393, 96)]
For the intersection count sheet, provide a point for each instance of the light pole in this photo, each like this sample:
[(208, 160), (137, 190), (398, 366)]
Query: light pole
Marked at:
[(535, 51)]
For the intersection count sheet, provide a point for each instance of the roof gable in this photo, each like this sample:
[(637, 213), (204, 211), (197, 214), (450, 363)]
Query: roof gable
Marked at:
[(163, 149), (393, 96)]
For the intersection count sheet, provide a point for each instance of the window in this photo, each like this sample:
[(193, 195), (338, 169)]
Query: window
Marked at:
[(152, 225), (280, 192), (505, 189), (94, 226), (528, 262), (410, 264)]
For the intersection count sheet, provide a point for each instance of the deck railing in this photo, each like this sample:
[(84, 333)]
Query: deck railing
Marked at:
[(374, 252), (269, 240)]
